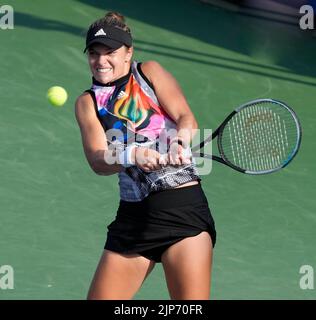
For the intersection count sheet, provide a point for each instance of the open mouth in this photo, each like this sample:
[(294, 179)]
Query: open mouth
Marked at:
[(104, 70)]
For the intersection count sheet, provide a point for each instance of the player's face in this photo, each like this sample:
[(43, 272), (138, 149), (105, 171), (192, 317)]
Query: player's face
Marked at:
[(108, 65)]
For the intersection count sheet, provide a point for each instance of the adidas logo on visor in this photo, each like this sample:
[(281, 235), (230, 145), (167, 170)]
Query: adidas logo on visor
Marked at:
[(100, 33)]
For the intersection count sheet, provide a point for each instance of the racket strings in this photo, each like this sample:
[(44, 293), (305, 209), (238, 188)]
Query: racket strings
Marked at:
[(259, 137)]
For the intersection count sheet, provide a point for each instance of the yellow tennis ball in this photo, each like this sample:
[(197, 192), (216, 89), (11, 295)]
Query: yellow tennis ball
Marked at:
[(57, 96)]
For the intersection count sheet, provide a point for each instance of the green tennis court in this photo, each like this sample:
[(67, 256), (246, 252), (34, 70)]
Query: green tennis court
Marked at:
[(54, 209)]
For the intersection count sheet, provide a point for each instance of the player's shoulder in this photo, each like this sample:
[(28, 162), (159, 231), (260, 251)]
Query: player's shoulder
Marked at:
[(84, 103), (84, 98), (153, 70), (151, 65)]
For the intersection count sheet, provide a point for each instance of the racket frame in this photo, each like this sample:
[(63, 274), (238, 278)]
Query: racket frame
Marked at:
[(219, 132)]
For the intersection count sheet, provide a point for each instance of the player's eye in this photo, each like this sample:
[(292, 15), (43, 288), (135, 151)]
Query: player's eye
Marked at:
[(92, 53)]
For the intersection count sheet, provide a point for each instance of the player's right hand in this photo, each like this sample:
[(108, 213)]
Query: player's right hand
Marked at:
[(149, 159)]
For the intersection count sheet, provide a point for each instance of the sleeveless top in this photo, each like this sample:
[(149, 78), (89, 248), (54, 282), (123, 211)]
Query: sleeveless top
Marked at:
[(130, 105)]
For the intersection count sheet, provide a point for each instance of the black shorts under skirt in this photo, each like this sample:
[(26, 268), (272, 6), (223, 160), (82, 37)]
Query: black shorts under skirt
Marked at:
[(163, 218)]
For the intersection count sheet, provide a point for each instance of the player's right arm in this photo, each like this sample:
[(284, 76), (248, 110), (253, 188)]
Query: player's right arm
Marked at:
[(93, 137)]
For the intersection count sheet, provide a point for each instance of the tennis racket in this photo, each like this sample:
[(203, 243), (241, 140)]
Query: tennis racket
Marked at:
[(259, 137)]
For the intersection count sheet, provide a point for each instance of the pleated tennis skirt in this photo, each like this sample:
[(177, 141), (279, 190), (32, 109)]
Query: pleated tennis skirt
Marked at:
[(150, 226)]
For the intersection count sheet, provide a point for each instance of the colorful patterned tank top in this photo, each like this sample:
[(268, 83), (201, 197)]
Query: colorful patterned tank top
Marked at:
[(131, 106)]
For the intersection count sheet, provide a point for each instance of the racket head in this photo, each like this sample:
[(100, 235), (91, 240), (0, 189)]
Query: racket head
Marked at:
[(260, 137)]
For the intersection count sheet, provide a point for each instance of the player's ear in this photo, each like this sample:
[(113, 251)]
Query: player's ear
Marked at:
[(129, 54)]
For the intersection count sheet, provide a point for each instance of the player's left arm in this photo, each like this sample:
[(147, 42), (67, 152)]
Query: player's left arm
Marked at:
[(172, 99)]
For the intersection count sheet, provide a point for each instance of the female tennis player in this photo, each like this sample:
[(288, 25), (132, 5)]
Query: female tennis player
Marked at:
[(163, 214)]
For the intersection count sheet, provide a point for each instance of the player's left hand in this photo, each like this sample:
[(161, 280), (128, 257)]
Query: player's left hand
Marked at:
[(179, 155)]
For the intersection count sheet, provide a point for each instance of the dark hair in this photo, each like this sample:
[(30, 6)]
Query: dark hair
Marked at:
[(114, 19)]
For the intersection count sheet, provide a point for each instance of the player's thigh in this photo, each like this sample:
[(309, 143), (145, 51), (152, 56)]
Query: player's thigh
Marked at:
[(119, 276), (187, 265)]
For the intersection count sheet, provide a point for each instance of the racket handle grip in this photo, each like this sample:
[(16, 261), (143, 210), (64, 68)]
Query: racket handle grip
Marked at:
[(186, 153)]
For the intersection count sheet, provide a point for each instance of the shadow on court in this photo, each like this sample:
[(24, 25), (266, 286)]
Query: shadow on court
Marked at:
[(285, 45), (32, 21), (276, 50)]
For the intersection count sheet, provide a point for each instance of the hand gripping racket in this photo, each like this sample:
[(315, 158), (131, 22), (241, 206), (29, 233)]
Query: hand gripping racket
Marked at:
[(259, 137)]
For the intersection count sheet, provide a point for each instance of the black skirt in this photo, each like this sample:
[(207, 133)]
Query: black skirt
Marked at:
[(163, 218)]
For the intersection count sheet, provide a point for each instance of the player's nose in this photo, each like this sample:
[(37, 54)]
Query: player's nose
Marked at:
[(102, 59)]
